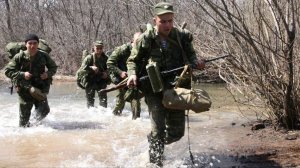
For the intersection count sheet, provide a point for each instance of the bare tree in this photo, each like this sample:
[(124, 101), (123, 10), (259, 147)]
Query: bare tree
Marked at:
[(262, 37), (261, 34)]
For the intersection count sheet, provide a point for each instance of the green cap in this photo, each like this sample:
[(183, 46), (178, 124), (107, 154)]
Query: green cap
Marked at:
[(98, 43), (162, 8)]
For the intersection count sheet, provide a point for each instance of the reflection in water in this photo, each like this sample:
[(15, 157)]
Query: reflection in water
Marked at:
[(74, 136)]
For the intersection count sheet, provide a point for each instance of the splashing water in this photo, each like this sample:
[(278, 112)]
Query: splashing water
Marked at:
[(74, 136)]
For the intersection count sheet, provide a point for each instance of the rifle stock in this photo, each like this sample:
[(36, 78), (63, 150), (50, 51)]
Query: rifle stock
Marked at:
[(123, 83), (116, 87)]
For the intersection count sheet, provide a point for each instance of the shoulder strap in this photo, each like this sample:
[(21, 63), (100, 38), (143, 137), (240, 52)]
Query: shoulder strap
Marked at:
[(94, 59), (187, 69), (183, 52)]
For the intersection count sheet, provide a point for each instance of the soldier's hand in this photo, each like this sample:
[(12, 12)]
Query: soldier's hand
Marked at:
[(44, 76), (200, 64), (132, 81), (95, 69), (123, 74), (27, 75)]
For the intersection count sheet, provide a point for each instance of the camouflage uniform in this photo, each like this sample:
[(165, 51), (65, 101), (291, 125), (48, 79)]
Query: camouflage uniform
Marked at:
[(21, 63), (167, 125), (116, 64), (94, 82)]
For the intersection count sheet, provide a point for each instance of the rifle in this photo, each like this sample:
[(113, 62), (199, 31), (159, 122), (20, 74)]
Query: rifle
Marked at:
[(217, 58), (123, 83)]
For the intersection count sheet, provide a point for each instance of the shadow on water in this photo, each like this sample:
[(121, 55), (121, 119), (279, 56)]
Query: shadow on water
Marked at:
[(204, 160), (73, 125)]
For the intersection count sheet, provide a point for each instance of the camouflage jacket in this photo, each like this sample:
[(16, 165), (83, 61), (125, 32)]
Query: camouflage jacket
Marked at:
[(22, 62), (149, 49), (88, 73), (116, 63)]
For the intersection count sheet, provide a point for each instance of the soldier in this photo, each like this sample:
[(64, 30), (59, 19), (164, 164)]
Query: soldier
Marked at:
[(169, 48), (94, 70), (118, 70), (27, 72)]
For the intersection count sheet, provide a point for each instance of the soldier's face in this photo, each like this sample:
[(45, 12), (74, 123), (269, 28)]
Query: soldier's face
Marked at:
[(98, 49), (164, 23), (32, 46)]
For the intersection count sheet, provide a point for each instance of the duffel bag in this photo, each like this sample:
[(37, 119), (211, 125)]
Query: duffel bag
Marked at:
[(197, 100)]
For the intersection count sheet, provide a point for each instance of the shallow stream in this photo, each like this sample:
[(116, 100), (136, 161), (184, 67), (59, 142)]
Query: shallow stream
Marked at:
[(74, 136)]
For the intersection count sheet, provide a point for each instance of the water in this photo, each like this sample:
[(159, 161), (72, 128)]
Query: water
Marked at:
[(74, 136)]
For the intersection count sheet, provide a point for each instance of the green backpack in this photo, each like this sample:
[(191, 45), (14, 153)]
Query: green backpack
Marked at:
[(84, 54), (80, 76), (14, 48), (44, 46)]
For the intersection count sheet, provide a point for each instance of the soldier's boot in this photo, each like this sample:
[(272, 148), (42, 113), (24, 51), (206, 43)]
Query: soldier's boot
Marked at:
[(42, 110), (156, 150), (90, 103), (24, 115), (119, 107), (90, 96), (103, 103), (103, 99), (117, 111), (24, 123)]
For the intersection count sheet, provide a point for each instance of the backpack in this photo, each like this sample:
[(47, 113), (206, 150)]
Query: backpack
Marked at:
[(84, 54), (80, 78), (13, 48), (44, 46)]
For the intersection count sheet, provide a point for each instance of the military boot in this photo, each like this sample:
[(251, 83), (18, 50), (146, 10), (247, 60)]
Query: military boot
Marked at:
[(156, 150), (42, 110), (117, 112)]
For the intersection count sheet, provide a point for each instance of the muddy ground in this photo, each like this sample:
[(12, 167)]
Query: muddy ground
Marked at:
[(267, 148), (239, 145)]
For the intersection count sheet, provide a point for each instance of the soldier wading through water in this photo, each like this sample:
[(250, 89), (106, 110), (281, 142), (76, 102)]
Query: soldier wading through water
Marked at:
[(32, 82), (116, 64), (169, 48), (93, 72)]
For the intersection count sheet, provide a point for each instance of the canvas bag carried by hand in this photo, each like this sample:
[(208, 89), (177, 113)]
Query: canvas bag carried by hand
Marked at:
[(197, 100), (178, 98)]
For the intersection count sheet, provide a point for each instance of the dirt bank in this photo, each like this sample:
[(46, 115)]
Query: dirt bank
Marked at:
[(236, 145)]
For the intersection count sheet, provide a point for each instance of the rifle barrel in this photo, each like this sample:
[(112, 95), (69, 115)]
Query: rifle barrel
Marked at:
[(123, 83), (216, 58)]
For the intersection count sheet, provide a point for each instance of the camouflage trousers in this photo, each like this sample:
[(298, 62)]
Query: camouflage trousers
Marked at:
[(90, 96), (135, 105), (26, 102), (167, 126)]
